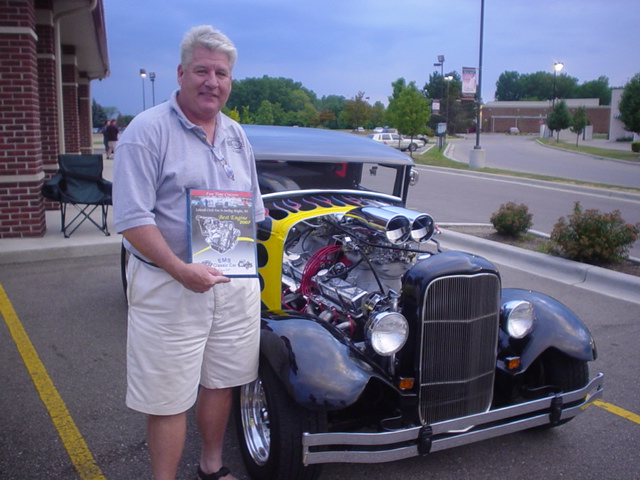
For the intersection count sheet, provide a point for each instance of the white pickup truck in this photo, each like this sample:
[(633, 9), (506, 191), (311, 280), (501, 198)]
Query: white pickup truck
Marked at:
[(397, 141)]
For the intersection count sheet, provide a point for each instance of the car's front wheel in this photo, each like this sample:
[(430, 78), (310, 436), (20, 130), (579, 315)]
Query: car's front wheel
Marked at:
[(270, 427), (559, 372), (413, 147)]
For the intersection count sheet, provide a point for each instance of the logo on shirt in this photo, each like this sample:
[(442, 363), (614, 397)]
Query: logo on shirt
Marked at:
[(235, 143)]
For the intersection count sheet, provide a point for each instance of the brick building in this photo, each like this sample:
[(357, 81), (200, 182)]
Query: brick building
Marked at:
[(528, 116), (50, 51)]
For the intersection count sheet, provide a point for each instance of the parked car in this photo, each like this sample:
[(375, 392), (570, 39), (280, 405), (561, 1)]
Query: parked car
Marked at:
[(377, 345), (397, 141)]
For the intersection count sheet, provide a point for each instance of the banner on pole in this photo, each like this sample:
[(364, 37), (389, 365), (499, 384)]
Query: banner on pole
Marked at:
[(468, 83)]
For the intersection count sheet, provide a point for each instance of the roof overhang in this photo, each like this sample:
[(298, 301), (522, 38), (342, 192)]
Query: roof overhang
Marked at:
[(82, 25)]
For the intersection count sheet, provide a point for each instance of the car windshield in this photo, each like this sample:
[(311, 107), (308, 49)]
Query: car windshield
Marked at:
[(292, 175)]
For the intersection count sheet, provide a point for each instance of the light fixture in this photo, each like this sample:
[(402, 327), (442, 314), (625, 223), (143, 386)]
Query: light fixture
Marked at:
[(557, 66), (152, 77), (143, 74)]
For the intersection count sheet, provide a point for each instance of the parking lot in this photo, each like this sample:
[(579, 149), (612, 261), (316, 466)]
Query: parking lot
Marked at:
[(73, 314)]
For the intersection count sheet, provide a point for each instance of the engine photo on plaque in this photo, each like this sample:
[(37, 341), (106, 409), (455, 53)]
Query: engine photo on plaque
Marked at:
[(222, 231)]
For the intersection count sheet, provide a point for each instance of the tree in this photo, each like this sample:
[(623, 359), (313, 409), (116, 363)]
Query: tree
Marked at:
[(287, 97), (596, 89), (357, 111), (579, 122), (559, 118), (534, 86), (331, 107), (233, 114), (378, 115), (264, 115), (111, 112), (629, 105), (98, 114), (410, 111), (123, 121), (458, 114), (508, 87)]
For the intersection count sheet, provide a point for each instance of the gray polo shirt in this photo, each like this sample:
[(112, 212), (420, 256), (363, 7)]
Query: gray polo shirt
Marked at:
[(160, 155)]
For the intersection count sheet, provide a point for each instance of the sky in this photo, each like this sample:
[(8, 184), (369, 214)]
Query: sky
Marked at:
[(343, 47)]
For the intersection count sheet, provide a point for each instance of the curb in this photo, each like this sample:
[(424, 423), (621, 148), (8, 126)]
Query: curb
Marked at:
[(592, 278), (41, 253)]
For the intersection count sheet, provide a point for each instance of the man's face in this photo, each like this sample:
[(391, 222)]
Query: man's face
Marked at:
[(205, 85)]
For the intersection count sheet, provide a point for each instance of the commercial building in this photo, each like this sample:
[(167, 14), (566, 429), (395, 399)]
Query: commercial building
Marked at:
[(529, 116), (50, 51)]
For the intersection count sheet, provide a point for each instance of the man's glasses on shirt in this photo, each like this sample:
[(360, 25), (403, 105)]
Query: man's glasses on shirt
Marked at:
[(219, 157)]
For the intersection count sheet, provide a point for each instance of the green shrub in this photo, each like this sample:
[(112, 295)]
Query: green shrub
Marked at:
[(635, 147), (593, 237), (512, 220)]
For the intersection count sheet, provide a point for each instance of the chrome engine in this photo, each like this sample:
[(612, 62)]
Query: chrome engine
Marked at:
[(344, 268)]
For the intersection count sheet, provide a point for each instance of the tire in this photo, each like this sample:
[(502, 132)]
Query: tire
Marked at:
[(413, 147), (561, 372), (269, 425), (565, 372)]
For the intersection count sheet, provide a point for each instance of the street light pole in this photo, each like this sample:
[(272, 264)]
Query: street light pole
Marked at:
[(143, 73), (557, 66), (441, 65), (448, 79), (477, 159), (152, 77)]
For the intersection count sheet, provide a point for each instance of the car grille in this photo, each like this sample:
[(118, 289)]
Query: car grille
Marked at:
[(459, 343)]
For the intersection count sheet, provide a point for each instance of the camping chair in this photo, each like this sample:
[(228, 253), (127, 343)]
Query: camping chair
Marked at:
[(79, 183)]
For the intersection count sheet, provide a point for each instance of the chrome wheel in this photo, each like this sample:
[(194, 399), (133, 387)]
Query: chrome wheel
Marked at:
[(255, 421)]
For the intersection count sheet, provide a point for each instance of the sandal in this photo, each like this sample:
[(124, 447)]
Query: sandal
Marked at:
[(223, 472)]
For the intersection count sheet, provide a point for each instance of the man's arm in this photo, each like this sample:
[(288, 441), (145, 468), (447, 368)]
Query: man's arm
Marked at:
[(196, 277)]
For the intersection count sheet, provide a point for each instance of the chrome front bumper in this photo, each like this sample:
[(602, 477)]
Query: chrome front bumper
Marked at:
[(342, 447)]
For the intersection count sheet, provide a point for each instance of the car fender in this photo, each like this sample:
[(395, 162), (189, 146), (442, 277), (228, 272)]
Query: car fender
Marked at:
[(556, 327), (318, 369)]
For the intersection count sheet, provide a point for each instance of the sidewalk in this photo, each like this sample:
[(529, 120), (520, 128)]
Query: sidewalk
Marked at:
[(85, 241)]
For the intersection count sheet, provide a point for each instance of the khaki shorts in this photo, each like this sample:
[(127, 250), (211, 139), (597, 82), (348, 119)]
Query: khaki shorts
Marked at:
[(178, 339)]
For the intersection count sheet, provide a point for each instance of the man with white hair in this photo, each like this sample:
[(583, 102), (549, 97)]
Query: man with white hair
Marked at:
[(193, 333)]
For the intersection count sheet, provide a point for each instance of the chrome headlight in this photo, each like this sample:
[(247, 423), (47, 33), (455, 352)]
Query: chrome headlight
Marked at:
[(414, 176), (387, 332), (518, 318)]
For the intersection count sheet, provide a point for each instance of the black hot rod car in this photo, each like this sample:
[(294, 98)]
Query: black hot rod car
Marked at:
[(377, 345)]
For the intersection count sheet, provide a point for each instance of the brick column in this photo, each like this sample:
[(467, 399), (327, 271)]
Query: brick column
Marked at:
[(21, 176), (47, 92), (85, 120), (70, 100)]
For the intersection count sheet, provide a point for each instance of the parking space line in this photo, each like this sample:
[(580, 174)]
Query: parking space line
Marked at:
[(621, 412), (71, 437)]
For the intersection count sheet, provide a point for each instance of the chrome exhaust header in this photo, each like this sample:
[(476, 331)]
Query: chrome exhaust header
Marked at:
[(396, 227), (421, 224)]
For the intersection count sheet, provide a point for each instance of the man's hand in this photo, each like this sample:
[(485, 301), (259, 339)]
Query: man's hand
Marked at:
[(199, 278), (196, 277)]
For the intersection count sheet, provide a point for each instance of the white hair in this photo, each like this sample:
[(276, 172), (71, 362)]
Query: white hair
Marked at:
[(213, 40)]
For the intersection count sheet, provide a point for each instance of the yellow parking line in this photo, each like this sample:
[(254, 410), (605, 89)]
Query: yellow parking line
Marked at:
[(621, 412), (69, 434)]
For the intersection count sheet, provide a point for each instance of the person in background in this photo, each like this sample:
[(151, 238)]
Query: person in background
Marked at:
[(112, 133), (193, 334), (103, 131)]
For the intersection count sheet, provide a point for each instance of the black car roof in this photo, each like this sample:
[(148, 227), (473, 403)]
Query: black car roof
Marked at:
[(319, 145)]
